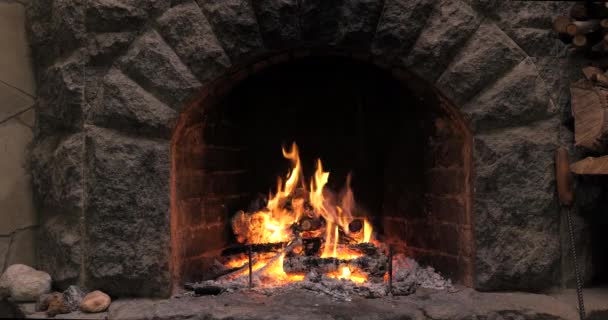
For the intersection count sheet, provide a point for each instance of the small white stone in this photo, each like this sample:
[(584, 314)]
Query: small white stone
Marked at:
[(23, 283)]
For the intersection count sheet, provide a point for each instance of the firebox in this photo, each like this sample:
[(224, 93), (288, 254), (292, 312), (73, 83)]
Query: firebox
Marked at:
[(402, 146)]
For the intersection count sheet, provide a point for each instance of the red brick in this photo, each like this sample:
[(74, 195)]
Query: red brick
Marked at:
[(447, 209), (448, 153), (445, 181)]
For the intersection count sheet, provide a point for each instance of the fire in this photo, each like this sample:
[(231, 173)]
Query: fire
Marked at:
[(278, 222)]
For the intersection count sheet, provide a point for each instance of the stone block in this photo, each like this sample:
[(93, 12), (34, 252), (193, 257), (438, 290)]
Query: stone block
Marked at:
[(55, 29), (116, 16), (156, 68), (235, 26), (278, 21), (103, 47), (57, 174), (60, 95), (517, 99), (516, 213), (488, 55), (59, 249), (450, 25), (15, 188), (15, 66), (127, 217), (399, 26), (125, 106), (188, 32), (349, 24)]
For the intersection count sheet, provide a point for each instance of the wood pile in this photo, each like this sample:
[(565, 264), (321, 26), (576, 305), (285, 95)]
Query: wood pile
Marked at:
[(585, 29)]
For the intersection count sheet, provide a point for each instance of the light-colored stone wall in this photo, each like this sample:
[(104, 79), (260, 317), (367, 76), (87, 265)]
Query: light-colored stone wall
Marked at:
[(17, 93)]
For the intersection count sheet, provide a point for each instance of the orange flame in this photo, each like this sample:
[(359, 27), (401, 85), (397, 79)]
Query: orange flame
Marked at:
[(273, 223)]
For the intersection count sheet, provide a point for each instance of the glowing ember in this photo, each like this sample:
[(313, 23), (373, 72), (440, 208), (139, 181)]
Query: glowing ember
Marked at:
[(294, 213)]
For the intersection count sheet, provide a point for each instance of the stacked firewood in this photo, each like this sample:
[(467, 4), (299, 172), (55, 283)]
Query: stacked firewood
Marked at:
[(586, 30)]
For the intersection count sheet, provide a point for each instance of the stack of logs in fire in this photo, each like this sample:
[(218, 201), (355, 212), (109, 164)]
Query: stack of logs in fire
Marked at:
[(309, 260), (312, 239)]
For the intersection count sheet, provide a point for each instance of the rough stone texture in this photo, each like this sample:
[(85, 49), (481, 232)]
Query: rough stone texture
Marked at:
[(57, 174), (301, 304), (515, 199), (350, 24), (103, 47), (358, 22), (486, 57), (73, 297), (60, 249), (127, 230), (56, 305), (235, 26), (60, 94), (517, 99), (95, 302), (56, 25), (156, 67), (186, 29), (279, 22), (127, 107), (449, 26), (23, 283), (530, 25), (399, 27), (113, 16)]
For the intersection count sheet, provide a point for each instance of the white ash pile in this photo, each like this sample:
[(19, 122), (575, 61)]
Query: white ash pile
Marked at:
[(408, 275)]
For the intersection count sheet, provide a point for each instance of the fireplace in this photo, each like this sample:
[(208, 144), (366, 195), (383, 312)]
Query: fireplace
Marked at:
[(156, 121), (406, 147)]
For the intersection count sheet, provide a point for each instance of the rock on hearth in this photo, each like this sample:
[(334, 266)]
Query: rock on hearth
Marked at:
[(57, 305), (73, 297), (95, 301), (23, 283)]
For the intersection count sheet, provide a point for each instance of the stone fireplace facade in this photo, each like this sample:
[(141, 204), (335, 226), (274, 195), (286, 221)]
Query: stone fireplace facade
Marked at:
[(128, 157)]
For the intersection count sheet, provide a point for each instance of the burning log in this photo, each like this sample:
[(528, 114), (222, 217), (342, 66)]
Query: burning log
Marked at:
[(256, 248), (590, 109), (372, 262)]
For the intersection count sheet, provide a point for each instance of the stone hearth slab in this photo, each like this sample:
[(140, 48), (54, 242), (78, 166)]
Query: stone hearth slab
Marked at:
[(301, 304)]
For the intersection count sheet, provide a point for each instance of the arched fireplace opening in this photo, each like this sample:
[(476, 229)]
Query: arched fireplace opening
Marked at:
[(406, 147)]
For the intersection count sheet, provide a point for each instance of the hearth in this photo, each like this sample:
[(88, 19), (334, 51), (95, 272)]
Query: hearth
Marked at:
[(395, 158)]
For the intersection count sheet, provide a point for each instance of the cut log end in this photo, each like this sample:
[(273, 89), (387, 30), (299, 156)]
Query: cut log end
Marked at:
[(591, 166)]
